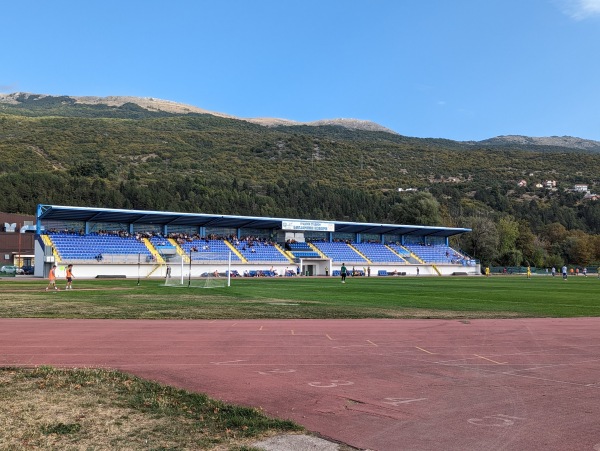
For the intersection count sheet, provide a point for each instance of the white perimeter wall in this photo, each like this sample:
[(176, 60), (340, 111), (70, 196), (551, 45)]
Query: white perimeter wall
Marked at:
[(150, 270)]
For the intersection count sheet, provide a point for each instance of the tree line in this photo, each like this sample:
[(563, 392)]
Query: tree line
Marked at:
[(201, 163)]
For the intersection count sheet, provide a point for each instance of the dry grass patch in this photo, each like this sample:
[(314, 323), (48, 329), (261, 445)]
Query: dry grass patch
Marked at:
[(27, 308), (48, 408), (415, 313)]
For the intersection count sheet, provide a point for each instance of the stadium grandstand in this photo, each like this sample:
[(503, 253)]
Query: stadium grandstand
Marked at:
[(104, 242)]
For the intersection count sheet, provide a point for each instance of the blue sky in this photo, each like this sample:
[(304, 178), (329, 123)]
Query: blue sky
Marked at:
[(456, 69)]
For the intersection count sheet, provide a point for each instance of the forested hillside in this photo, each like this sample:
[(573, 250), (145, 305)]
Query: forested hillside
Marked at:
[(57, 151)]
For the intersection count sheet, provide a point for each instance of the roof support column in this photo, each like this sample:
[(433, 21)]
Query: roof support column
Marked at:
[(38, 222)]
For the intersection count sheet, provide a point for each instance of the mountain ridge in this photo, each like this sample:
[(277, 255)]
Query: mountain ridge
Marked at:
[(155, 105), (554, 141), (168, 106)]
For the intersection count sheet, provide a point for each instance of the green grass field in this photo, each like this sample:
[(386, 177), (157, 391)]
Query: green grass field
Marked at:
[(393, 297)]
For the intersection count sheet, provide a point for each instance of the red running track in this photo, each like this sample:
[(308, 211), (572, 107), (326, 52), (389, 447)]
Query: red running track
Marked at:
[(525, 384)]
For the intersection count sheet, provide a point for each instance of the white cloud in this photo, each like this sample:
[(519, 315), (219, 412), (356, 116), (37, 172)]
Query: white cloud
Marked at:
[(581, 9)]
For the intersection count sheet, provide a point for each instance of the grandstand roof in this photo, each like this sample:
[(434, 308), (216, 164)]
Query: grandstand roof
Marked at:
[(89, 214)]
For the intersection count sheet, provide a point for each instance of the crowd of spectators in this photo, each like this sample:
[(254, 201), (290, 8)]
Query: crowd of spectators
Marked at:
[(180, 237), (247, 243)]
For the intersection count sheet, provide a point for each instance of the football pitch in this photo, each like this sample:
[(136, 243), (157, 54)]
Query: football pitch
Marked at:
[(300, 297)]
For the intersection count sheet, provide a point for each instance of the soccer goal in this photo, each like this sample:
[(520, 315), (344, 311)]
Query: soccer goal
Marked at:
[(203, 270)]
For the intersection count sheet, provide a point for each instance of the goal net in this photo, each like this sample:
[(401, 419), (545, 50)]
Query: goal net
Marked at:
[(201, 270)]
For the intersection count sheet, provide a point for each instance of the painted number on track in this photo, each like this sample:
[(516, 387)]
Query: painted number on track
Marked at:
[(277, 371), (498, 420), (332, 383), (399, 401)]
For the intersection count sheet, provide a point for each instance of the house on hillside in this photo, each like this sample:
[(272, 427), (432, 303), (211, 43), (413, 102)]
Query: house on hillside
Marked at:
[(522, 183), (580, 188), (549, 184)]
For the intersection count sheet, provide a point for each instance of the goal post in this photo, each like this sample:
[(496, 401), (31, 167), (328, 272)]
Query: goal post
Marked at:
[(203, 270)]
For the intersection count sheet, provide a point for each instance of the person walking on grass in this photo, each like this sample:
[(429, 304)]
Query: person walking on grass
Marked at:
[(564, 272), (52, 279), (69, 277), (343, 271)]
